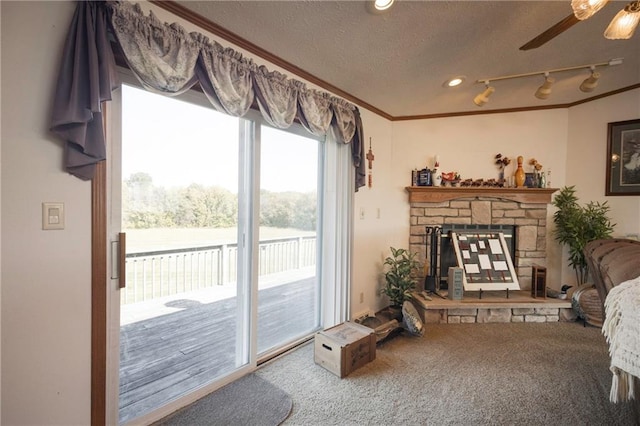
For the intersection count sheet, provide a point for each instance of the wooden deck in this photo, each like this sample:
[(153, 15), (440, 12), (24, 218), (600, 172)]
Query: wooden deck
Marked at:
[(164, 357)]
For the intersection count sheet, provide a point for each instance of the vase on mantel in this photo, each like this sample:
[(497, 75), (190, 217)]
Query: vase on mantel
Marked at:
[(519, 175)]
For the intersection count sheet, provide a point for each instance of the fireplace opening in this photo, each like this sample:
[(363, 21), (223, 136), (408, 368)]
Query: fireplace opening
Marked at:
[(440, 250)]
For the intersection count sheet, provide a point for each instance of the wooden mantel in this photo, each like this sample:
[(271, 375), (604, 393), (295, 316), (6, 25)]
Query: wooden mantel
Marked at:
[(436, 194)]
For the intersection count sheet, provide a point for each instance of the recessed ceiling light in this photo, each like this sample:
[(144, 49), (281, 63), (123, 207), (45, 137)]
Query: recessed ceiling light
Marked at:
[(382, 4), (455, 81), (377, 7)]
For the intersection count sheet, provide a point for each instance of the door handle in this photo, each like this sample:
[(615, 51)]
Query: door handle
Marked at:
[(119, 259), (122, 260)]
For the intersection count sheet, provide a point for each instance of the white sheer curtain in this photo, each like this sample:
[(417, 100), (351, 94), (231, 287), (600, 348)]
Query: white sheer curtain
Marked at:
[(337, 232)]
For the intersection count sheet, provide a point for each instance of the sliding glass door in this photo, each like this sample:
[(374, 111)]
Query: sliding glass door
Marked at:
[(222, 248), (181, 321), (289, 291)]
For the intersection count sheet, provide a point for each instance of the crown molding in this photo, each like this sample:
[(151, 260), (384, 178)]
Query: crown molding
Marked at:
[(204, 23)]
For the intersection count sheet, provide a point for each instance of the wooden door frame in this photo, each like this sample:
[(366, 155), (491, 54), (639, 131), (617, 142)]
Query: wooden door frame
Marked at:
[(99, 294)]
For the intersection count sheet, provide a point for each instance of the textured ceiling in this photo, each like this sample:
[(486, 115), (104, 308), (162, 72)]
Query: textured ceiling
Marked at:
[(397, 62)]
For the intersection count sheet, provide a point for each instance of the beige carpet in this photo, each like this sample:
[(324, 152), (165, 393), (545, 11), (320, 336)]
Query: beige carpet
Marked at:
[(462, 374)]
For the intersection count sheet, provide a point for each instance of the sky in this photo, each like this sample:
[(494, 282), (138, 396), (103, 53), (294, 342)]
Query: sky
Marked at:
[(179, 143)]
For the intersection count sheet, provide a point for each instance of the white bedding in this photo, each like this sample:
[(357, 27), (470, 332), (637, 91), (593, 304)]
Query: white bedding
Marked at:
[(622, 330)]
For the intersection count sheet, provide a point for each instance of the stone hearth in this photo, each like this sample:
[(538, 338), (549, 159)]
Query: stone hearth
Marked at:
[(493, 307)]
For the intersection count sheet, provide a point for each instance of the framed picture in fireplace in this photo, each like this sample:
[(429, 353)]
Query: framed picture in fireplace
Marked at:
[(485, 260), (623, 158)]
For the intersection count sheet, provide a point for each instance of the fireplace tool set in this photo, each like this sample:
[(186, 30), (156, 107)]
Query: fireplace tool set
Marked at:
[(431, 279)]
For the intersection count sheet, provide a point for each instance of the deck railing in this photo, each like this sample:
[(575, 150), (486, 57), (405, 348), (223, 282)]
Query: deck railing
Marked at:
[(162, 273)]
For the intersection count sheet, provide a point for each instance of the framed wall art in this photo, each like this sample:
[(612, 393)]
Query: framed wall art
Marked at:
[(623, 158)]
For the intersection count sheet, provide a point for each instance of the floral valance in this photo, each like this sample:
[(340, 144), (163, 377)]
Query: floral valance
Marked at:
[(168, 60)]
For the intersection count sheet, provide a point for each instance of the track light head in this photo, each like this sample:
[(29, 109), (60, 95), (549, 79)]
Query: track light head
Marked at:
[(590, 82), (544, 91), (483, 98)]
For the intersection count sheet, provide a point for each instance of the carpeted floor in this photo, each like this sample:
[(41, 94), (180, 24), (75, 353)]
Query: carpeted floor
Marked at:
[(462, 374), (250, 400)]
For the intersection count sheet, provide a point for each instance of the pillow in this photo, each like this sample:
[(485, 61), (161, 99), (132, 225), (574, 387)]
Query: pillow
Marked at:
[(411, 319)]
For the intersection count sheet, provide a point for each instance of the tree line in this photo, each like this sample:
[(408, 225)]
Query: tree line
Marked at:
[(146, 205)]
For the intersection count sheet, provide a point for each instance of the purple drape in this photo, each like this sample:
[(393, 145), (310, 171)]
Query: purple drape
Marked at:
[(168, 60), (86, 78), (357, 151)]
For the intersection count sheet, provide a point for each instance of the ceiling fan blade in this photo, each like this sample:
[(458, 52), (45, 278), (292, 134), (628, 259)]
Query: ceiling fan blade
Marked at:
[(552, 32)]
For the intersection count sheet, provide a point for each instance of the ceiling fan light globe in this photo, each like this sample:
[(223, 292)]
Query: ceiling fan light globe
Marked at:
[(585, 9), (624, 24)]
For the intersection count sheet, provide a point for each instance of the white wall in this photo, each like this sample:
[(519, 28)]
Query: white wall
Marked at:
[(464, 144), (571, 143), (45, 275), (46, 281), (0, 238), (586, 164), (374, 232)]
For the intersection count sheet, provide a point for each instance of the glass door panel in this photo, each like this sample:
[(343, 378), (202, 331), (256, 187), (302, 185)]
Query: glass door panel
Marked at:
[(181, 325), (288, 284)]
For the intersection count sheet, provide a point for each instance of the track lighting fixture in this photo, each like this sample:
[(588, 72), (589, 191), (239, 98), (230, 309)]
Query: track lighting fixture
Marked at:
[(590, 82), (483, 98), (624, 24), (544, 91)]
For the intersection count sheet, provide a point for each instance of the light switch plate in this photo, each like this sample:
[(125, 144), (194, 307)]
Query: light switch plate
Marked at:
[(52, 216)]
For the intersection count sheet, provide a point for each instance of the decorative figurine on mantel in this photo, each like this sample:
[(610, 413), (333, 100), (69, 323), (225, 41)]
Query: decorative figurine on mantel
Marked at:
[(435, 177), (519, 175), (501, 162), (450, 178), (538, 174)]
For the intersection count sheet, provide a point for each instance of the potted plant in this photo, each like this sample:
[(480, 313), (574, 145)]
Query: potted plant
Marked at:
[(577, 225), (401, 266)]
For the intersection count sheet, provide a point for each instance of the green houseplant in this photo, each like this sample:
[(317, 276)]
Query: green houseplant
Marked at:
[(577, 225), (401, 266)]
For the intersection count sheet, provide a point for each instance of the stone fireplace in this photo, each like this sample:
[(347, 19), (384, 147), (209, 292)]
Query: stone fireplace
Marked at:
[(523, 208), (524, 212)]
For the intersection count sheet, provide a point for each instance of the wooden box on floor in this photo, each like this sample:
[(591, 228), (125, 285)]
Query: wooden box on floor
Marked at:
[(344, 348)]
